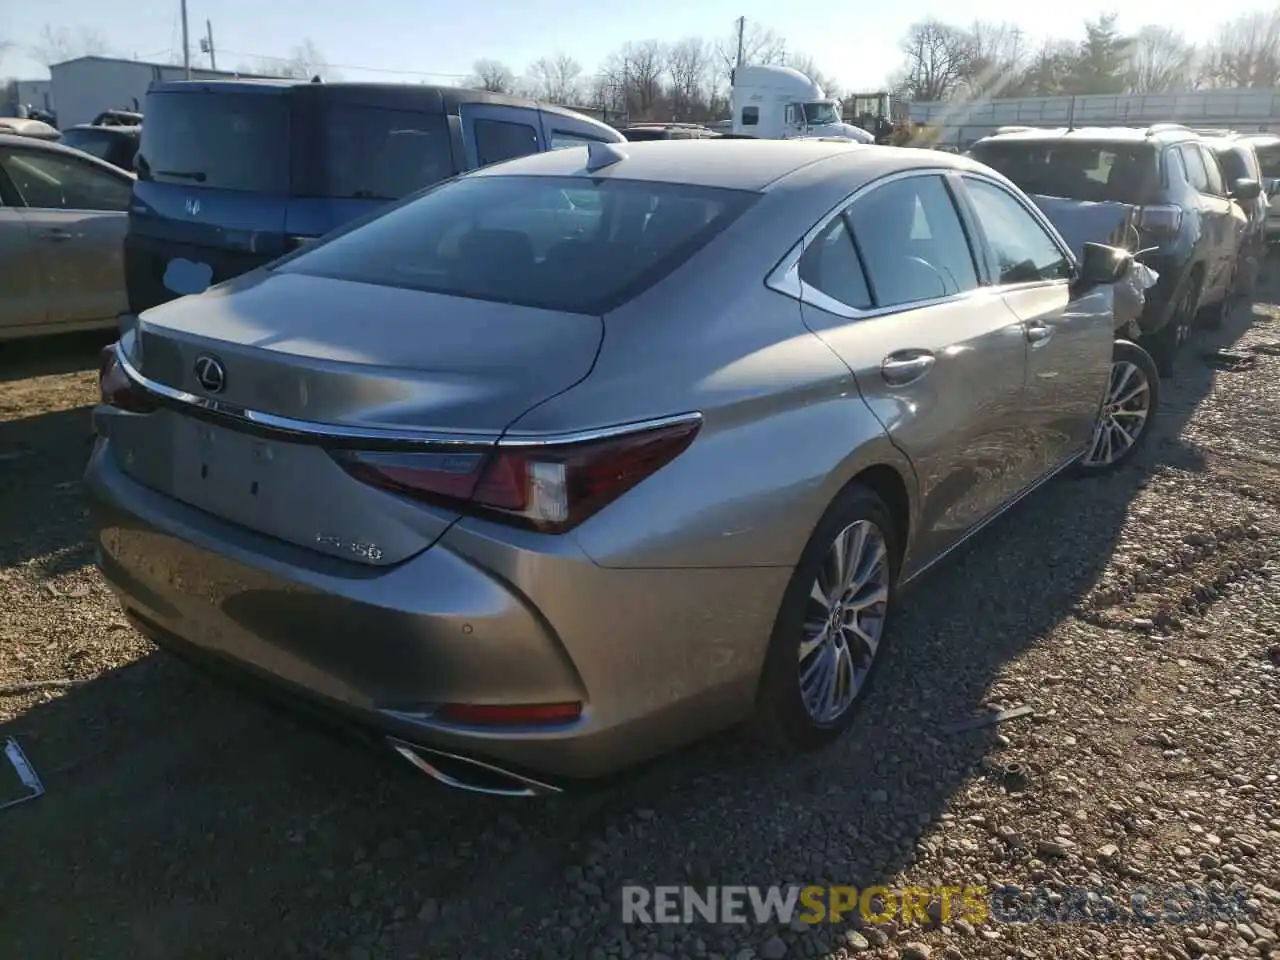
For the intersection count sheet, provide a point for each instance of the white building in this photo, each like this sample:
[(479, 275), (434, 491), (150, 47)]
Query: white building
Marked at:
[(82, 88)]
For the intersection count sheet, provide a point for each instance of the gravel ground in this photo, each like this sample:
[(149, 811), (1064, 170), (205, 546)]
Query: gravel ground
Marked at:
[(1137, 615)]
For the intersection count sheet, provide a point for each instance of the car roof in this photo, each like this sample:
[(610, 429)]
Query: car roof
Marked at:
[(1095, 135), (31, 143), (752, 165)]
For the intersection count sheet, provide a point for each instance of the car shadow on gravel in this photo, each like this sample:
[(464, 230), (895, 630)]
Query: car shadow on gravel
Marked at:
[(46, 356), (42, 514), (183, 819)]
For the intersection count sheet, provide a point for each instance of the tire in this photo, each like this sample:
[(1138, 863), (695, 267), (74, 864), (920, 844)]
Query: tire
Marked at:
[(1166, 344), (782, 719), (1134, 386)]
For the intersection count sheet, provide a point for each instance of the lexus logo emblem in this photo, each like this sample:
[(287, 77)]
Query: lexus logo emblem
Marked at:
[(211, 374), (193, 207)]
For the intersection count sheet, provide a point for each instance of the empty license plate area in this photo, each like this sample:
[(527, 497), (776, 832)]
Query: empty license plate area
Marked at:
[(234, 475)]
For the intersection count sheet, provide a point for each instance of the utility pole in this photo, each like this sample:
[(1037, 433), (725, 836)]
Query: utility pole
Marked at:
[(209, 41), (742, 29), (186, 42)]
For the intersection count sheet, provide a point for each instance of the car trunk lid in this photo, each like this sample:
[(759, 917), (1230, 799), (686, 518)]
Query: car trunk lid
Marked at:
[(264, 375)]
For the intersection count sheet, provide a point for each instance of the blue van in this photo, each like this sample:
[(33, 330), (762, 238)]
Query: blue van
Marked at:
[(235, 173)]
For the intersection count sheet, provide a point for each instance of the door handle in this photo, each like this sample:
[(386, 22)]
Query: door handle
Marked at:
[(57, 234), (1038, 333), (899, 370)]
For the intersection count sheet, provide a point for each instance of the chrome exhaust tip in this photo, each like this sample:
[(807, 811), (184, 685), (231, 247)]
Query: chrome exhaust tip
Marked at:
[(473, 776)]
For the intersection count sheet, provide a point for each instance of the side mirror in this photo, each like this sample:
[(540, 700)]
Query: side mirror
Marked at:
[(1246, 190), (1103, 264)]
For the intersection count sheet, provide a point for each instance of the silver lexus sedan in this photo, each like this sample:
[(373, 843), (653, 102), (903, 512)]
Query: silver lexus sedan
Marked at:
[(573, 459)]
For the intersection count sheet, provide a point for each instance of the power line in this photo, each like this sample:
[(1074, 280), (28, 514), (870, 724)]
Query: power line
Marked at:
[(349, 66)]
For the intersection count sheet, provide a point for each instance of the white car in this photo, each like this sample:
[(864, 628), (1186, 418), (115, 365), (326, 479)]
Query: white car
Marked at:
[(63, 217)]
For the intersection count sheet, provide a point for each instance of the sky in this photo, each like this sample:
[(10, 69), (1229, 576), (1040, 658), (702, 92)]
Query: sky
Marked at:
[(855, 43)]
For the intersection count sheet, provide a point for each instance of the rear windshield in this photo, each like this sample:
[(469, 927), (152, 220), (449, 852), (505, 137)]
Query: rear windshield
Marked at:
[(101, 145), (1076, 171), (370, 153), (570, 244), (216, 140)]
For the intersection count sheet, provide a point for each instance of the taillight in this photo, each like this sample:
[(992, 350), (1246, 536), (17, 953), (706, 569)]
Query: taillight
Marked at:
[(115, 389), (1160, 218), (546, 487)]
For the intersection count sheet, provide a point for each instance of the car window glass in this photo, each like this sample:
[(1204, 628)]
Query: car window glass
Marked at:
[(1197, 175), (1214, 173), (217, 140), (561, 139), (1176, 169), (1024, 250), (830, 265), (498, 140), (51, 182), (369, 153), (572, 243), (91, 142), (912, 242)]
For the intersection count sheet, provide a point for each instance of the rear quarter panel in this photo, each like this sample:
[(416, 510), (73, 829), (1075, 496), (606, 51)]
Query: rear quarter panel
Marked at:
[(784, 429)]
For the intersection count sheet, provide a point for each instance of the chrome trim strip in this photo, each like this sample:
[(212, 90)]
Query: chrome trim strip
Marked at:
[(316, 432), (599, 433), (522, 786)]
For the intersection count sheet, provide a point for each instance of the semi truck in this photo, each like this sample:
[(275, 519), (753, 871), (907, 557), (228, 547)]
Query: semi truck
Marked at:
[(780, 103)]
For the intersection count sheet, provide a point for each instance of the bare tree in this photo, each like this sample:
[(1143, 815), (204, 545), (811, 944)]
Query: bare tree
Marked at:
[(58, 44), (998, 57), (492, 75), (643, 64), (689, 67), (760, 45), (938, 59), (558, 79), (1245, 52), (1160, 61)]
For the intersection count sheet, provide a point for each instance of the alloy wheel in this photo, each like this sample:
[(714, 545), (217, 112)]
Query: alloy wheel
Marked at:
[(1124, 414), (847, 606)]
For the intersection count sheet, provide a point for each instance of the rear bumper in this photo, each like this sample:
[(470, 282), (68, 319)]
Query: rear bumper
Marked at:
[(657, 657)]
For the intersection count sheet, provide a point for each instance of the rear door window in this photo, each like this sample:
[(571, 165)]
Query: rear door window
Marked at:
[(571, 244), (912, 241), (371, 153), (217, 140), (498, 140)]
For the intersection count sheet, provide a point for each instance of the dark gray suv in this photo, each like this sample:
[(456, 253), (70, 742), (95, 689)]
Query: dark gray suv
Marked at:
[(1187, 214)]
